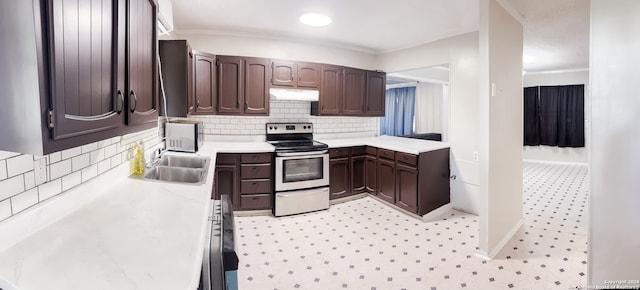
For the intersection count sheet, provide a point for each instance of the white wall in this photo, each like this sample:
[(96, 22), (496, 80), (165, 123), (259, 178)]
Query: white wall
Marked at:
[(501, 115), (614, 231), (553, 153), (278, 49), (461, 53)]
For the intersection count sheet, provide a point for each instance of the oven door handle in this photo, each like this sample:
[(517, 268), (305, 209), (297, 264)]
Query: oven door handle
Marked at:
[(287, 154)]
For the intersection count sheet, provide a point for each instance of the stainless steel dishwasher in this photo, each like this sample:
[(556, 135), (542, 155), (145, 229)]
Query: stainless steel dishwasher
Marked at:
[(220, 261)]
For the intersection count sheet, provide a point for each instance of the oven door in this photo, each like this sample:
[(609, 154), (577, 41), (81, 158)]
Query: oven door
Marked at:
[(300, 170)]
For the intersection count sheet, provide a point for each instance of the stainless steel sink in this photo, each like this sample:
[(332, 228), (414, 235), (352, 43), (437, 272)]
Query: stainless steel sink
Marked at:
[(176, 174), (179, 169), (184, 161)]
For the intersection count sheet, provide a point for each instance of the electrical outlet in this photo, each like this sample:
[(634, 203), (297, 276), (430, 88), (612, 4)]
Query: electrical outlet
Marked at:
[(475, 155), (40, 170)]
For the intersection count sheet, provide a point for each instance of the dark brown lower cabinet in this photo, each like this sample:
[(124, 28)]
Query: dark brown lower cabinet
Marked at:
[(407, 188), (371, 180), (339, 177), (387, 178), (226, 179), (246, 178), (358, 174)]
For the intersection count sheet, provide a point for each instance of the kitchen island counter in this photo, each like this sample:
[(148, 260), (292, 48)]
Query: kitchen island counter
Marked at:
[(400, 144)]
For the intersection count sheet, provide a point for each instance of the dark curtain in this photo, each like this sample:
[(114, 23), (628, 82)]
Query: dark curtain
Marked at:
[(531, 117), (549, 115), (562, 115), (571, 116)]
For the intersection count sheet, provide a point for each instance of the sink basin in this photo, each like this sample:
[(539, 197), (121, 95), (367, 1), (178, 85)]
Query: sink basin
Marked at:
[(180, 169), (184, 161), (176, 174)]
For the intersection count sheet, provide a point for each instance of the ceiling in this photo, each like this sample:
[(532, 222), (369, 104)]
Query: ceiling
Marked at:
[(555, 32)]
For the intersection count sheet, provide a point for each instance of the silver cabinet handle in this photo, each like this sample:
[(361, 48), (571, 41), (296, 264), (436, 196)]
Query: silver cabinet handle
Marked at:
[(119, 93), (135, 101)]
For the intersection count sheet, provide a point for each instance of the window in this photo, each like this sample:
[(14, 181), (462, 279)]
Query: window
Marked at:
[(554, 116)]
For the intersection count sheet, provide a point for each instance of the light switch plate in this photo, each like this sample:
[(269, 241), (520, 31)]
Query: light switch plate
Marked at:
[(40, 170)]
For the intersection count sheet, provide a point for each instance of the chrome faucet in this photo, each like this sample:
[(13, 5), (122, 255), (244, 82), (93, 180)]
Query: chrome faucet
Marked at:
[(155, 157)]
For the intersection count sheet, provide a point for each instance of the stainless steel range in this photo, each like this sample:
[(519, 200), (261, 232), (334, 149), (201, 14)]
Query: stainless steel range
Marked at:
[(302, 169)]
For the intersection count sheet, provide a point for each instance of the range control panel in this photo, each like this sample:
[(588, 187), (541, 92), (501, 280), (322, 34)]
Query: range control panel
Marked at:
[(289, 128)]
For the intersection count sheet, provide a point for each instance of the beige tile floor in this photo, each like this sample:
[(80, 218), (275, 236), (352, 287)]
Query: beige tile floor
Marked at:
[(364, 244)]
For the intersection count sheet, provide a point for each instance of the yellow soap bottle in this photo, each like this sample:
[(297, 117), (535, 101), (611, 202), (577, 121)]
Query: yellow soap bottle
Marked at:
[(136, 164)]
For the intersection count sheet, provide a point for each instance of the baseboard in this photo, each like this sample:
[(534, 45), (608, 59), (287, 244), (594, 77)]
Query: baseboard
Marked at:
[(436, 213), (348, 198), (243, 213), (555, 162), (501, 244)]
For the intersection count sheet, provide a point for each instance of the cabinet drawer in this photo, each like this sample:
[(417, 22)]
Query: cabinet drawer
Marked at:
[(357, 151), (253, 171), (226, 159), (407, 158), (339, 152), (386, 154), (372, 150), (255, 186), (256, 158), (255, 201)]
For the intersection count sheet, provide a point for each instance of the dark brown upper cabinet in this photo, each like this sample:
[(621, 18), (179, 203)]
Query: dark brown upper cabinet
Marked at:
[(73, 77), (350, 92), (142, 63), (204, 97), (330, 98), (376, 90), (256, 86), (86, 94), (284, 74), (243, 86), (230, 89), (355, 91), (176, 59), (301, 75)]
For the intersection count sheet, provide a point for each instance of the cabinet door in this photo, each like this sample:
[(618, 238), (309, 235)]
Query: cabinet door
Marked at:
[(308, 75), (330, 90), (230, 85), (371, 171), (358, 174), (407, 188), (191, 82), (227, 182), (355, 90), (85, 93), (339, 177), (256, 91), (142, 62), (284, 74), (387, 180), (376, 90), (205, 83)]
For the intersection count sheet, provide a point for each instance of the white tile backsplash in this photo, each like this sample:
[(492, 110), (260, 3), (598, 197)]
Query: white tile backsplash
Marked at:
[(288, 111), (24, 200), (35, 179), (50, 189), (57, 170), (80, 162), (71, 180), (11, 186), (3, 169), (19, 164), (5, 209)]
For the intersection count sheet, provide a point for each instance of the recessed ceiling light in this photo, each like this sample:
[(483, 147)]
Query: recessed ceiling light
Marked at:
[(315, 19)]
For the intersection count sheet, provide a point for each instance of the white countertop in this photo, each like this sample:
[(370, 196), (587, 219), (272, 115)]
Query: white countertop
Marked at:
[(115, 232), (130, 234), (401, 144)]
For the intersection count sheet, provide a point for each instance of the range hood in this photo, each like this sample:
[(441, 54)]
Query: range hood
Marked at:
[(294, 95)]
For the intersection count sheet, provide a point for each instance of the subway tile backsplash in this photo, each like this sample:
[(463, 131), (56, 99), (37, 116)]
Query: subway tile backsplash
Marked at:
[(288, 111), (26, 180)]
